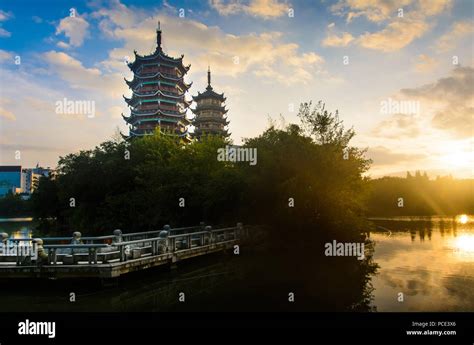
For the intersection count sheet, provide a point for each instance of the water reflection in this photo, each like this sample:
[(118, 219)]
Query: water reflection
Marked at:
[(430, 261), (464, 244)]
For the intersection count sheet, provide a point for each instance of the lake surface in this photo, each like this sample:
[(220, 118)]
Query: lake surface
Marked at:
[(429, 260)]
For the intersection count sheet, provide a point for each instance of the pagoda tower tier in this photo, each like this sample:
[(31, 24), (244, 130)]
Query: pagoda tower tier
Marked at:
[(158, 94), (210, 112)]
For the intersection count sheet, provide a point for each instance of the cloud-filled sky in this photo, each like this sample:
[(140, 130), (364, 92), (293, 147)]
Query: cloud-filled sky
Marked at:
[(401, 72)]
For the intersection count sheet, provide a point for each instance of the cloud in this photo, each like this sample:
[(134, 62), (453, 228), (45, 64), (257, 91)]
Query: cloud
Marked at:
[(263, 55), (405, 20), (63, 45), (333, 40), (34, 100), (456, 118), (4, 55), (5, 16), (258, 8), (37, 20), (383, 10), (457, 32), (4, 33), (5, 104), (74, 28), (72, 71), (383, 156), (452, 100), (395, 36), (397, 126), (425, 63), (373, 10), (448, 105)]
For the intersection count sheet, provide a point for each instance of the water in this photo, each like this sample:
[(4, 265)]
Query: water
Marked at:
[(429, 260), (17, 227)]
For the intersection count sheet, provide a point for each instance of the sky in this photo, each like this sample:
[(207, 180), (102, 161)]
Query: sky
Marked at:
[(400, 72)]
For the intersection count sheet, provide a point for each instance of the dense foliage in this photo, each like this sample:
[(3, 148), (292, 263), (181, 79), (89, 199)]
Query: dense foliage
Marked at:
[(421, 196), (304, 177), (12, 205)]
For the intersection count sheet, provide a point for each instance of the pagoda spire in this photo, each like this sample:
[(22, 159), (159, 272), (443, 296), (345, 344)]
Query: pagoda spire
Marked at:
[(209, 87), (209, 75), (158, 36)]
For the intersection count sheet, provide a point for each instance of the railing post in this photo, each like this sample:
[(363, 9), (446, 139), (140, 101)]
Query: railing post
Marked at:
[(41, 252), (209, 230), (76, 239), (121, 252), (163, 241), (4, 241), (239, 229), (117, 236), (4, 237)]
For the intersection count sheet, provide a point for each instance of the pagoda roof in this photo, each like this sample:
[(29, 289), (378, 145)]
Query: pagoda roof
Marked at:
[(135, 80), (166, 94), (157, 74), (158, 54), (222, 132), (134, 99), (209, 93), (158, 112), (200, 119), (218, 108)]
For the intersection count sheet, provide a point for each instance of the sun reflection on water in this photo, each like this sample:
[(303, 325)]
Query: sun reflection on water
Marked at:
[(463, 218), (464, 244)]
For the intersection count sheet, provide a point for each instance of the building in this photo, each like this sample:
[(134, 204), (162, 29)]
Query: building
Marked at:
[(210, 112), (30, 178), (10, 179), (158, 94)]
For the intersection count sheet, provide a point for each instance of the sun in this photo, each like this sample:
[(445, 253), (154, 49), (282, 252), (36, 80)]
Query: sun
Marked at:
[(463, 218), (458, 159)]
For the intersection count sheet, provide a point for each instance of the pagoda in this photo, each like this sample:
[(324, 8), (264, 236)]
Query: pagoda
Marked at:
[(158, 94), (210, 112)]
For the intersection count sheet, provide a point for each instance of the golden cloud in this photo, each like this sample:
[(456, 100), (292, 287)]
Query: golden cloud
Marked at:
[(258, 8), (457, 32)]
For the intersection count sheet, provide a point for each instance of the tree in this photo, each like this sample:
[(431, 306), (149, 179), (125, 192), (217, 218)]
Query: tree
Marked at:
[(324, 126)]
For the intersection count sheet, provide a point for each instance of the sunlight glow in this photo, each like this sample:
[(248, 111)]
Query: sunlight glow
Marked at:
[(456, 155), (465, 244), (463, 218)]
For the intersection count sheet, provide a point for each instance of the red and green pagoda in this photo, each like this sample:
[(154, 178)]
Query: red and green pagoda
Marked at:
[(210, 112), (158, 94)]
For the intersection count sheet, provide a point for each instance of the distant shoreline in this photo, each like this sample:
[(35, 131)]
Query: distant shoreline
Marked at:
[(17, 219)]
